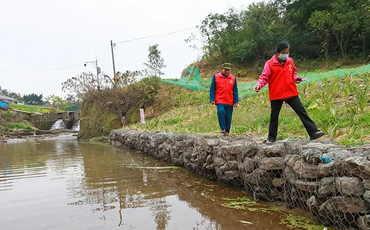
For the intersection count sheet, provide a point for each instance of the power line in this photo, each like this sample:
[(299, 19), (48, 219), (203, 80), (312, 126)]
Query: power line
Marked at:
[(42, 70), (81, 64), (146, 37), (173, 32), (144, 44)]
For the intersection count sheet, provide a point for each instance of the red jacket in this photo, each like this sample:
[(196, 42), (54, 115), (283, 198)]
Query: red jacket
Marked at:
[(280, 78), (224, 92)]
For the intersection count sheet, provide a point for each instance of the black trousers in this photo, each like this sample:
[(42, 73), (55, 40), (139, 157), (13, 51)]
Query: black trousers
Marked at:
[(296, 105)]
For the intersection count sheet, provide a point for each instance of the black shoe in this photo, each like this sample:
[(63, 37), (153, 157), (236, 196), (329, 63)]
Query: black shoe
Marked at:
[(269, 141), (317, 135)]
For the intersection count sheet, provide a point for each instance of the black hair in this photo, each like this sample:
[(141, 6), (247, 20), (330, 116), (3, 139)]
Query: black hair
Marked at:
[(282, 45)]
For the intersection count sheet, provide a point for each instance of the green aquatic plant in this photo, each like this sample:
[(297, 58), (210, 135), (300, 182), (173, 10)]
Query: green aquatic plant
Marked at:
[(300, 222), (292, 221)]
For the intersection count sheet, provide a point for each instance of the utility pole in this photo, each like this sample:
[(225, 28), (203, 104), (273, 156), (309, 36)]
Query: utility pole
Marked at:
[(114, 66), (98, 70)]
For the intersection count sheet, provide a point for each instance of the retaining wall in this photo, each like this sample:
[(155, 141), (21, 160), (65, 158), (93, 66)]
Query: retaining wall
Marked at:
[(292, 172), (44, 121)]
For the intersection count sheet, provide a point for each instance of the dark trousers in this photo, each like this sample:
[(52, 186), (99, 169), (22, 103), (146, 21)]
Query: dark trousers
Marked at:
[(224, 114), (297, 106)]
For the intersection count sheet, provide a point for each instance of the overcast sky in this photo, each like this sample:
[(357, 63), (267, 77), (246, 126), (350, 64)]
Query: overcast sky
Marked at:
[(45, 42)]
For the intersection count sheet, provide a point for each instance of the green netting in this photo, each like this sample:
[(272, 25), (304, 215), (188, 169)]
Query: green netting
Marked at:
[(192, 81)]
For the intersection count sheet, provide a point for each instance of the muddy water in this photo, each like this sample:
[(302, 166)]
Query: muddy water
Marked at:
[(62, 184)]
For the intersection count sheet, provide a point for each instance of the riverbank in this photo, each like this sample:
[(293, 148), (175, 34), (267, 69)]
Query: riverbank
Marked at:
[(329, 181)]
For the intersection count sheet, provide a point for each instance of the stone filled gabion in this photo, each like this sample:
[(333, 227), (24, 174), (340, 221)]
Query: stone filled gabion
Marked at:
[(292, 172)]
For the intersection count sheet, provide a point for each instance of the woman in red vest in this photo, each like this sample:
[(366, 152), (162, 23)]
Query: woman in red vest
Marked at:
[(224, 94), (281, 76)]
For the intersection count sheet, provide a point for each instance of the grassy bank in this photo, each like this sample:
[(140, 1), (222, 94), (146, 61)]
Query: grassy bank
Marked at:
[(10, 120), (34, 108), (339, 107)]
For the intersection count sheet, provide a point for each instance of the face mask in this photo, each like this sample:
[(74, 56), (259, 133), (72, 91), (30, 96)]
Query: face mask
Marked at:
[(283, 56)]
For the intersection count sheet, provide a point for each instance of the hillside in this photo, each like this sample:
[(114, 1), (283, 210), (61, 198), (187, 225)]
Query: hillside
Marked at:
[(338, 102)]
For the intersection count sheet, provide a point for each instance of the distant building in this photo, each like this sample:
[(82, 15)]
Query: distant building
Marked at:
[(8, 99)]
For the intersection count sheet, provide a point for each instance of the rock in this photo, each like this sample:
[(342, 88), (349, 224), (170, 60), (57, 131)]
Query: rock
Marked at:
[(277, 195), (230, 166), (357, 166), (292, 148), (249, 165), (345, 205), (209, 159), (322, 146), (329, 169), (363, 222), (234, 149), (350, 186), (213, 142), (218, 161), (231, 175), (367, 196), (278, 182), (305, 170), (290, 160), (307, 186), (366, 184), (290, 175), (272, 151), (311, 203), (327, 187), (234, 165), (273, 163), (338, 155), (260, 177), (312, 156), (226, 167), (250, 151)]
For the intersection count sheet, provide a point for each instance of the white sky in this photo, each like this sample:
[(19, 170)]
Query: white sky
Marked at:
[(49, 34)]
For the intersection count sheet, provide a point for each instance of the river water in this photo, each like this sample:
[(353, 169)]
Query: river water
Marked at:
[(61, 184)]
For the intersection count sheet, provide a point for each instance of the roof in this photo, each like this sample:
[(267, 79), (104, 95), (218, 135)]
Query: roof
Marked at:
[(2, 97)]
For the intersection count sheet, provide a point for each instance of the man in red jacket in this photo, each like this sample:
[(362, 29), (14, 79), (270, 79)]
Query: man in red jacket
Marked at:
[(281, 76), (224, 94)]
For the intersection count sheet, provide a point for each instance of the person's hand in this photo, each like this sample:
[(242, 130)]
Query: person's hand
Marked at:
[(236, 105), (298, 80), (212, 102), (257, 88)]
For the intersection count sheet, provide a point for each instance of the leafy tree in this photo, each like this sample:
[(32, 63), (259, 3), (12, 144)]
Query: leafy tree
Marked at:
[(322, 23), (220, 32), (346, 22), (155, 63), (73, 102), (81, 84), (33, 99), (14, 95), (57, 102), (312, 27), (128, 77)]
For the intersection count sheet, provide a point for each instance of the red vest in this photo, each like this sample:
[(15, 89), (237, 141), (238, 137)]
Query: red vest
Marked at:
[(281, 83), (224, 89)]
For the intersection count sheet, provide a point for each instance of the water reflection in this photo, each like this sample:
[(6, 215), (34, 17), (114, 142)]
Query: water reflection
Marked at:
[(63, 184)]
